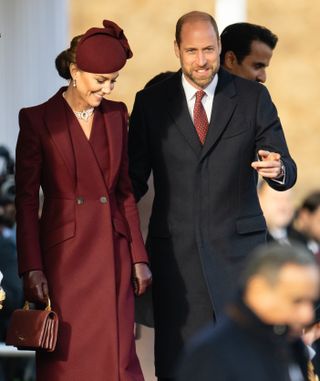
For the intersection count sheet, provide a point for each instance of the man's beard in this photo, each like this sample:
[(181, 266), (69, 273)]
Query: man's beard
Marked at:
[(201, 82)]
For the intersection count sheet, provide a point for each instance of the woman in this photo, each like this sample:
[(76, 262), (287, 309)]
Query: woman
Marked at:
[(87, 244)]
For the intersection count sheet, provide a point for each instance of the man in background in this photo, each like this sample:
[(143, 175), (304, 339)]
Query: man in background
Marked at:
[(278, 209), (259, 336), (305, 227), (247, 50)]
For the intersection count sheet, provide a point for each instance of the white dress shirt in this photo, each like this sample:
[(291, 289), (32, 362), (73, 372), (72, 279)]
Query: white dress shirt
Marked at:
[(207, 100)]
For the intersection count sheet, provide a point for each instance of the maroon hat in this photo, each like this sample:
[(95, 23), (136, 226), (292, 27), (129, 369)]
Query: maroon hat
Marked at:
[(103, 50)]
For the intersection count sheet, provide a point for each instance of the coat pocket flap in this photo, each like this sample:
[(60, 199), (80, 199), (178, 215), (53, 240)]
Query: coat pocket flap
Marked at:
[(53, 237), (251, 224)]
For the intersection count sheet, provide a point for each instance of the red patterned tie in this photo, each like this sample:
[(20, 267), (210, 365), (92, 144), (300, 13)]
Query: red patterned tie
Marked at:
[(200, 119)]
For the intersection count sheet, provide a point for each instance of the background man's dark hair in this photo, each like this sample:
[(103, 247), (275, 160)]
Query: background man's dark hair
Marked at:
[(311, 202), (268, 260), (238, 38)]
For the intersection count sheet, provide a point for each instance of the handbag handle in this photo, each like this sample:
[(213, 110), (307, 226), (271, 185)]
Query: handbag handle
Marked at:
[(48, 307)]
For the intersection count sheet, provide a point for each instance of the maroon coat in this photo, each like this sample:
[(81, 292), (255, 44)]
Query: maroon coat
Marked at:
[(86, 240)]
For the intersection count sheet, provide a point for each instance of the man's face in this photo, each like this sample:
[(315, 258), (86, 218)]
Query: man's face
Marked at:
[(311, 223), (198, 52), (290, 301), (253, 66)]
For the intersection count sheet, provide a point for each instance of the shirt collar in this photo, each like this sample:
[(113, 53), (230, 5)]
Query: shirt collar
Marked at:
[(190, 90)]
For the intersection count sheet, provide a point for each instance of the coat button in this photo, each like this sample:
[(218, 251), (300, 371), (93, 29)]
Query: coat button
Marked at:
[(103, 200), (80, 200)]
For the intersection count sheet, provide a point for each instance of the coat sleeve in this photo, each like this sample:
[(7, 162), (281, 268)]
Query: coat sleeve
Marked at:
[(139, 157), (126, 201), (270, 137), (28, 172)]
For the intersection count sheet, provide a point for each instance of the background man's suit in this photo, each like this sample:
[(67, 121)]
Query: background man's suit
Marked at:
[(206, 216)]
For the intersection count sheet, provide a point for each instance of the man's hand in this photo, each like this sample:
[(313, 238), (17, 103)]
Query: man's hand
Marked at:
[(35, 286), (142, 278), (269, 165)]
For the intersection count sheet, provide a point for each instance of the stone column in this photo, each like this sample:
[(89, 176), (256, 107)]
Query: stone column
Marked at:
[(229, 12), (33, 32)]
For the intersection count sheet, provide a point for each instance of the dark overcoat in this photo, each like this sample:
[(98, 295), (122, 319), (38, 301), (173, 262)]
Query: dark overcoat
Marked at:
[(206, 215), (87, 239), (243, 348)]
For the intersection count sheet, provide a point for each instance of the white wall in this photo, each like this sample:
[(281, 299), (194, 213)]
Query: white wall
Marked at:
[(33, 32)]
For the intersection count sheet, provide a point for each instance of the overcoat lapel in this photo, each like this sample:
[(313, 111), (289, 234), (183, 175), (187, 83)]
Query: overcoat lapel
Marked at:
[(56, 122), (224, 104), (178, 109), (223, 107)]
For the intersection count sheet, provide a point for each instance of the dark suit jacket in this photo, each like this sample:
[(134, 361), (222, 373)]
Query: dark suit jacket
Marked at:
[(242, 348), (206, 215)]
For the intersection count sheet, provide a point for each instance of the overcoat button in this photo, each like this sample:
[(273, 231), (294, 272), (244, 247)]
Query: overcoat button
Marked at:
[(80, 200), (103, 200)]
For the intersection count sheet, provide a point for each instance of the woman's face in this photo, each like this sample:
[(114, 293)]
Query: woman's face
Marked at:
[(93, 87)]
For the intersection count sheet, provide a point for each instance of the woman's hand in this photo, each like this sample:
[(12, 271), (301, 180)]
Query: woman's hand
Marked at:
[(142, 278), (35, 286)]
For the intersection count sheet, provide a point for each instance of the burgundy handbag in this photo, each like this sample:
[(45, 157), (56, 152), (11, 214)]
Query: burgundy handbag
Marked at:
[(33, 329)]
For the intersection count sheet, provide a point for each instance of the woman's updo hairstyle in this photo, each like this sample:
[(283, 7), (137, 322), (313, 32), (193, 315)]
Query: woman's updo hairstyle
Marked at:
[(67, 57)]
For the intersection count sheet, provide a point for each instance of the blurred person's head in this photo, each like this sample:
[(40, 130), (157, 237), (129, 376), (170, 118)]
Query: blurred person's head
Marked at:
[(277, 207), (92, 63), (7, 212), (307, 219), (247, 50), (6, 163), (281, 284), (197, 45)]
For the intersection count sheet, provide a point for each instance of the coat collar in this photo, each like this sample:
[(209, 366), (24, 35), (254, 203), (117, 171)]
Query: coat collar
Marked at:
[(56, 122), (223, 107), (112, 118)]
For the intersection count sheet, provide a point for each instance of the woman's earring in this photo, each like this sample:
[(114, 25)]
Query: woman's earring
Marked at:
[(74, 83)]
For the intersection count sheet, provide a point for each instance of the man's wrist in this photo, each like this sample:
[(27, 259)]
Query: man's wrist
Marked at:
[(282, 171)]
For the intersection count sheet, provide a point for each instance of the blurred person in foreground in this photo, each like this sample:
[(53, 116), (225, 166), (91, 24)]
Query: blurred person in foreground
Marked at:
[(246, 50), (2, 292), (205, 135), (11, 367), (259, 337), (86, 253), (310, 336)]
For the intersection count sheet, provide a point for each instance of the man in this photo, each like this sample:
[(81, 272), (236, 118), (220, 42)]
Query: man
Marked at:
[(247, 50), (306, 225), (205, 216), (278, 210), (259, 338)]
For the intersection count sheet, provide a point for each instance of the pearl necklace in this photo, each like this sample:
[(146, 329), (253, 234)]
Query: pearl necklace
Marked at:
[(83, 115)]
